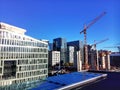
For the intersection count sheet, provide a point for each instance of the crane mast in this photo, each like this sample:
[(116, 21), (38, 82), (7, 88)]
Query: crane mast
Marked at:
[(85, 37)]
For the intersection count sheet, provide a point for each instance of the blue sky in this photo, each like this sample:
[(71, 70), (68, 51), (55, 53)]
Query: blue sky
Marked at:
[(49, 19)]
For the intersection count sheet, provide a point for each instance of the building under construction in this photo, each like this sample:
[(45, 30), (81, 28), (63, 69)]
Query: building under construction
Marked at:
[(99, 60)]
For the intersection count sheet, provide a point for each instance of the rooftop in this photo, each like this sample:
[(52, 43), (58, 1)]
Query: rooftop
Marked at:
[(12, 28), (68, 81), (112, 82)]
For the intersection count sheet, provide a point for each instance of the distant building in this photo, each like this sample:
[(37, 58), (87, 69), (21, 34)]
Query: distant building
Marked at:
[(54, 58), (78, 62), (115, 60), (78, 46), (22, 58), (50, 46), (59, 44), (70, 54)]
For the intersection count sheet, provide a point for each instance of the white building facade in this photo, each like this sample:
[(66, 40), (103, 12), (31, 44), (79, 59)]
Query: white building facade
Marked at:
[(22, 58), (54, 58)]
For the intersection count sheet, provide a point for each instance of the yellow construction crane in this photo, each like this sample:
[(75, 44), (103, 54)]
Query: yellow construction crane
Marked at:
[(85, 37)]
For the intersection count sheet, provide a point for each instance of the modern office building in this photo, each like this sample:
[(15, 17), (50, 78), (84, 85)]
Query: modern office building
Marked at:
[(50, 46), (78, 53), (22, 58), (78, 46), (54, 58), (60, 44), (70, 54)]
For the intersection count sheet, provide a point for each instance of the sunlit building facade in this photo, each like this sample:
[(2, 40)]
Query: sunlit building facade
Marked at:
[(22, 58), (70, 54), (54, 58), (60, 44)]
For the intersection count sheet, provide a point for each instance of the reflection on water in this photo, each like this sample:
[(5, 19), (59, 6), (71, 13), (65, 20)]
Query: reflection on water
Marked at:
[(22, 86)]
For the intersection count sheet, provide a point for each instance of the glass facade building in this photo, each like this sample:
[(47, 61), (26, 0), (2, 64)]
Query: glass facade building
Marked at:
[(78, 46), (22, 58), (70, 54), (60, 44)]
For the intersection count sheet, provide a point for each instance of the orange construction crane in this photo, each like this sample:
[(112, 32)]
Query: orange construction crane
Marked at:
[(85, 37), (94, 45)]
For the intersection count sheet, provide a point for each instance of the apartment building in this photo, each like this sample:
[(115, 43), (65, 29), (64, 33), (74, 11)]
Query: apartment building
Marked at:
[(22, 58)]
